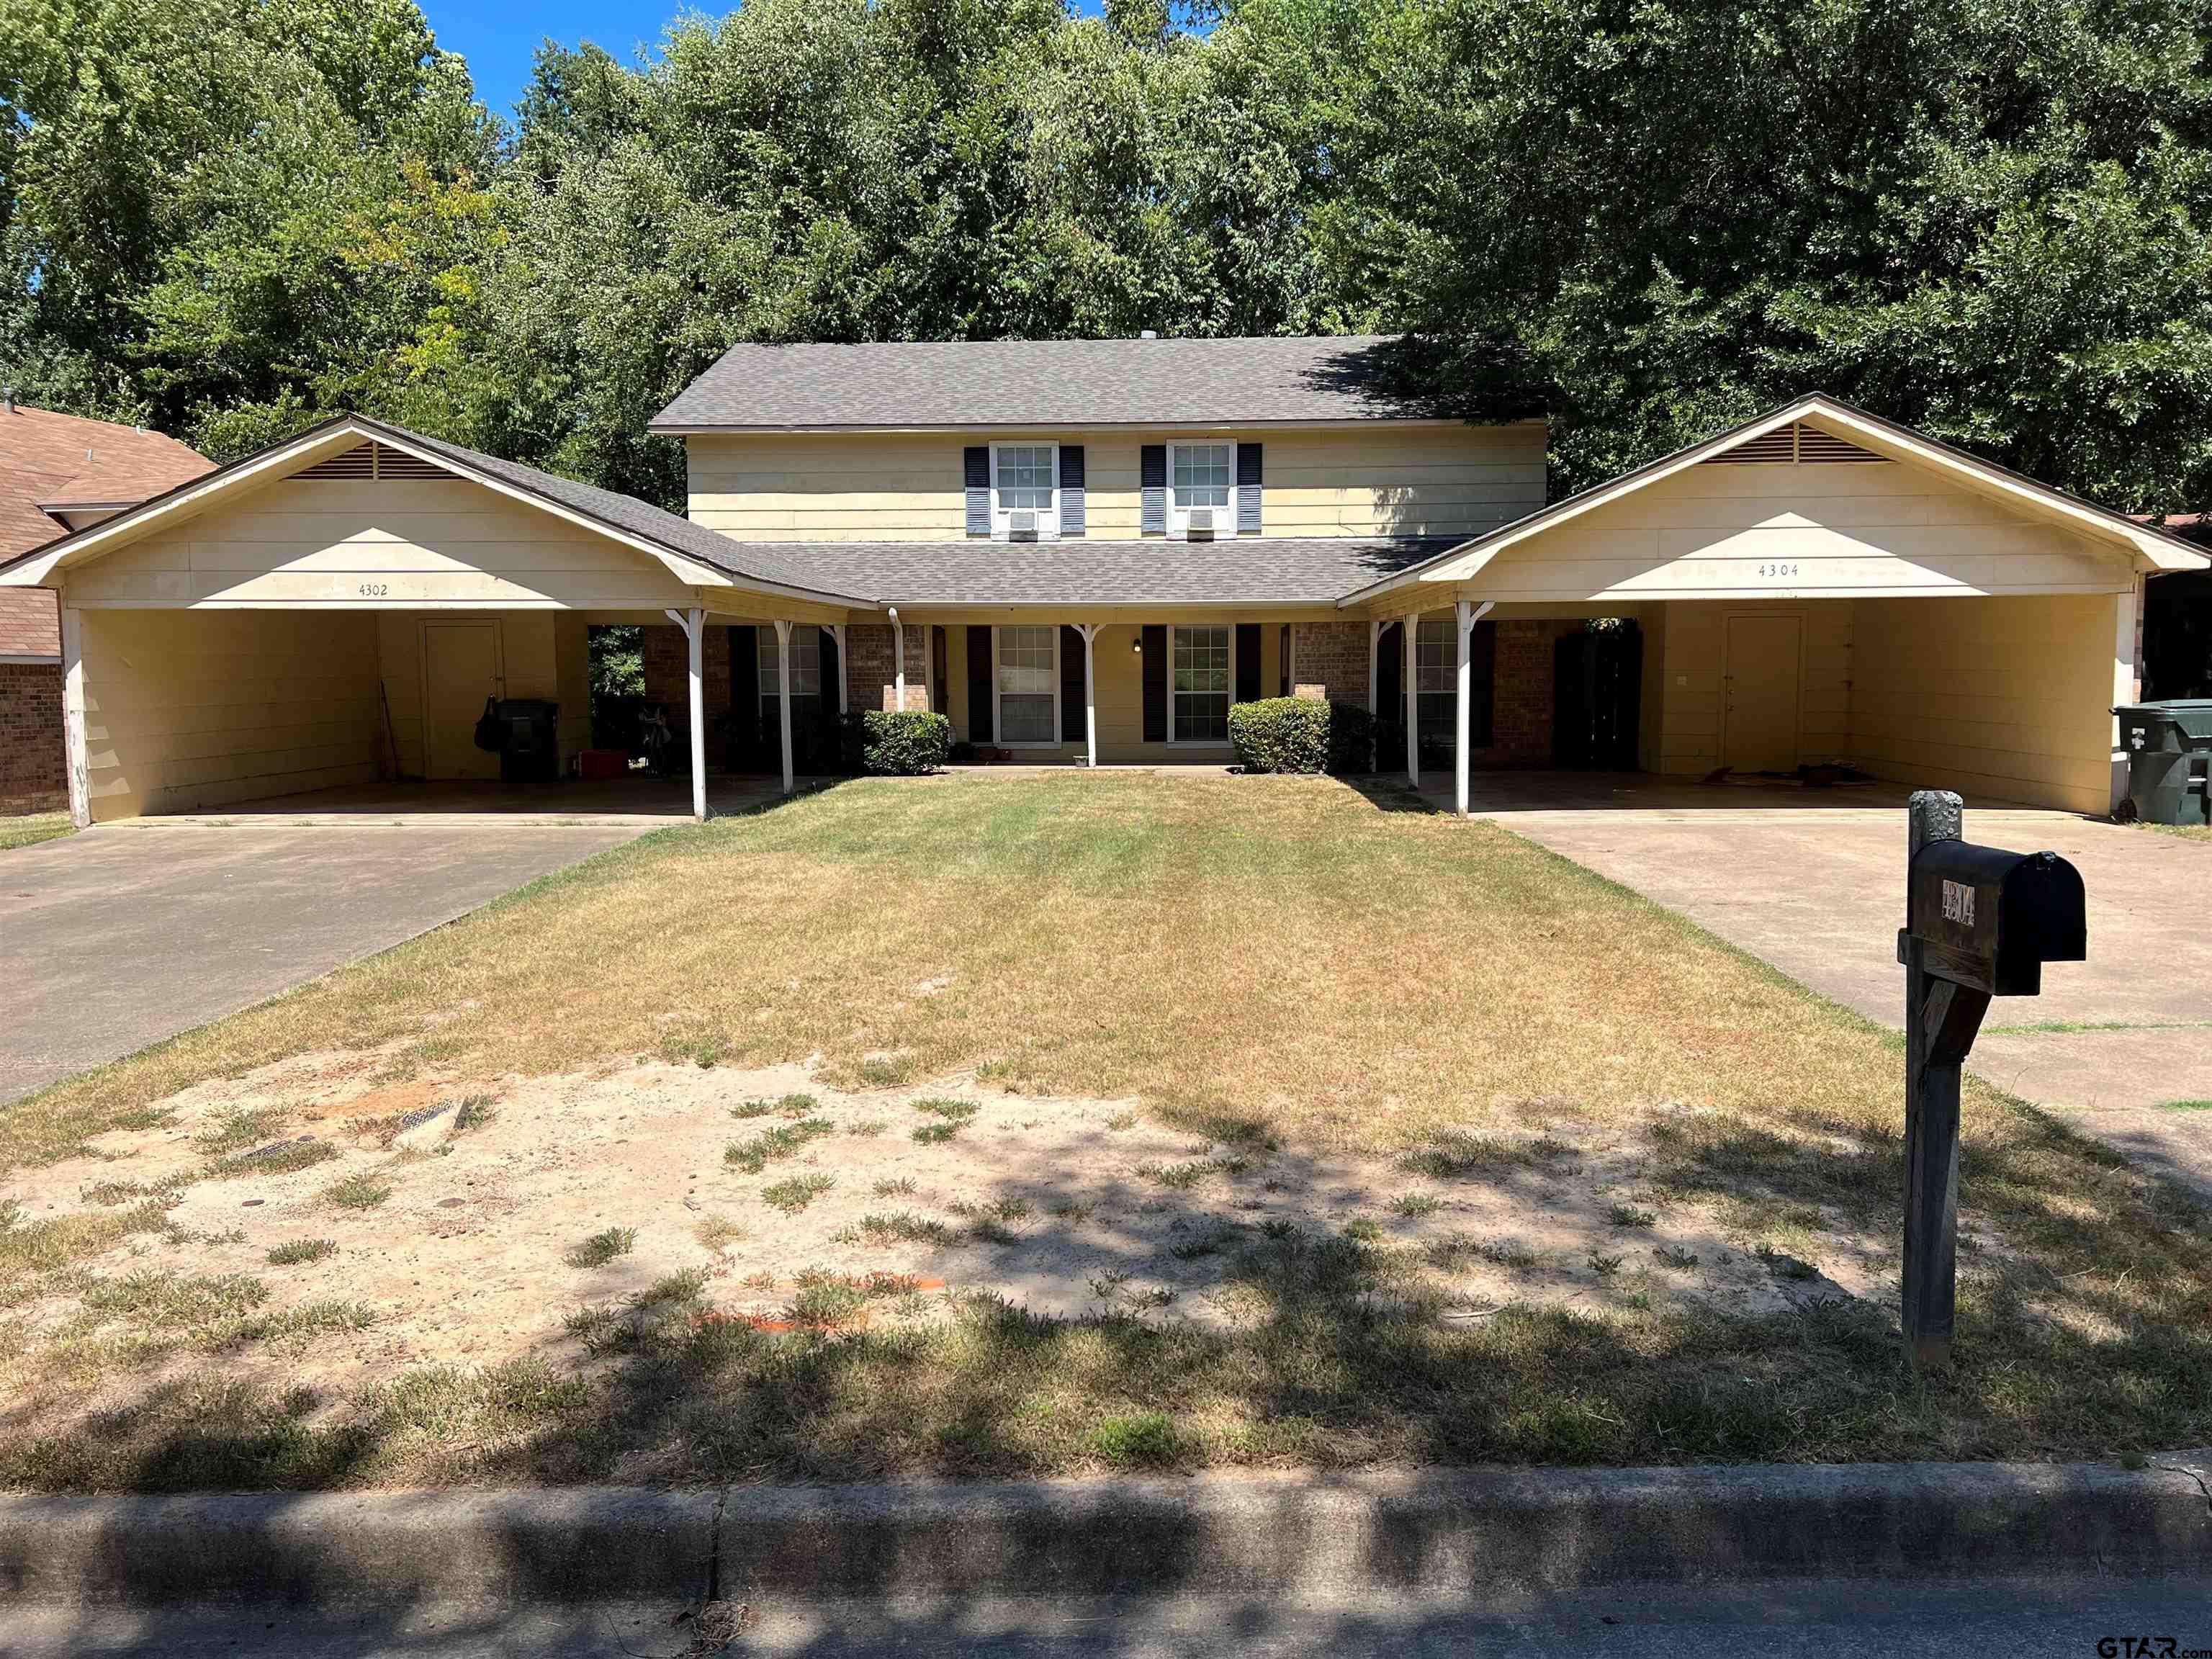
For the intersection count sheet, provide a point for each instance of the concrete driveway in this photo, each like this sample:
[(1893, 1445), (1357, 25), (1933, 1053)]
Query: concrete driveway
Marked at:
[(131, 933), (1819, 893)]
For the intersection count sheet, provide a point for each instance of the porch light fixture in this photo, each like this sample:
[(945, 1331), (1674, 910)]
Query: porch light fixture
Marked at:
[(1137, 644)]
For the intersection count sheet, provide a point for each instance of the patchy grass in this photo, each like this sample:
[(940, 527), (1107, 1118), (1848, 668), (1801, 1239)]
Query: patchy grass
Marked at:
[(1136, 932), (795, 1194), (282, 1158), (473, 1112), (358, 1192), (718, 1233), (753, 1156), (602, 1247), (29, 829), (903, 1227), (2186, 831), (294, 1251)]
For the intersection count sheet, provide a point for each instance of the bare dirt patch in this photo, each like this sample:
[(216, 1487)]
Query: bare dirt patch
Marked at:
[(572, 1197)]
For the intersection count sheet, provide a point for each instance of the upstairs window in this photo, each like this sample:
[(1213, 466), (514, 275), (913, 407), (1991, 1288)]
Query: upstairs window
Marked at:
[(1199, 477), (1025, 492)]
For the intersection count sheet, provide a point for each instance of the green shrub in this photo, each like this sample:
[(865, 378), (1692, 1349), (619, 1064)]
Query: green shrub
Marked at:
[(1280, 734), (1305, 734), (884, 743), (1351, 738)]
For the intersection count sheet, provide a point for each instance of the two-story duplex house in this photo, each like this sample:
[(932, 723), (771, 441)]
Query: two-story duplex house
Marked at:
[(1088, 551)]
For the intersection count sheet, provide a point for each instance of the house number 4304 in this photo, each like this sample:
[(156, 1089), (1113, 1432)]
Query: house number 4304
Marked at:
[(1777, 570)]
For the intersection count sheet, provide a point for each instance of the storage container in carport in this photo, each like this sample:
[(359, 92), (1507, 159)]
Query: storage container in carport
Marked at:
[(2168, 746), (531, 750)]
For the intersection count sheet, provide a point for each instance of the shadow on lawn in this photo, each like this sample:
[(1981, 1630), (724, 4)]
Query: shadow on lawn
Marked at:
[(2083, 1330)]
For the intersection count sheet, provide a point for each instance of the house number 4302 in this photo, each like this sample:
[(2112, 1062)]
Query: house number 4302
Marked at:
[(375, 589), (1777, 570)]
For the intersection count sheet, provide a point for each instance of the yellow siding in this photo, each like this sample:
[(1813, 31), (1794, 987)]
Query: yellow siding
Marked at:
[(191, 711), (1800, 530), (2009, 698), (1118, 670), (362, 543), (1449, 480), (536, 661), (1690, 647)]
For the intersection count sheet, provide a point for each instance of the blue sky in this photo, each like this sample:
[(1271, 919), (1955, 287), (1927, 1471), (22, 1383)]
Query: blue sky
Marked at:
[(500, 37)]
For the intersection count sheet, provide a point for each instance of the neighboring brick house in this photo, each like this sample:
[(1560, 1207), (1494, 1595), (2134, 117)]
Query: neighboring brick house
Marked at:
[(58, 473)]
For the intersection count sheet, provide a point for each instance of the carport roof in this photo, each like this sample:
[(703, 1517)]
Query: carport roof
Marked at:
[(2160, 549), (624, 516)]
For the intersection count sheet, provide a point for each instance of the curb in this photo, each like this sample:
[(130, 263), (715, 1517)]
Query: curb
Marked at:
[(1436, 1533)]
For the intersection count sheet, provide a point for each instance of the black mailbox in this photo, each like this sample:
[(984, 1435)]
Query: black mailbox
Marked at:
[(1989, 920)]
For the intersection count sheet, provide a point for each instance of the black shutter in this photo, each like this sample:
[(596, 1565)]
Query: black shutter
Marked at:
[(1390, 673), (1071, 489), (1248, 662), (1155, 683), (1073, 727), (742, 752), (981, 728), (975, 474), (1248, 489), (1482, 695), (1152, 476), (826, 720)]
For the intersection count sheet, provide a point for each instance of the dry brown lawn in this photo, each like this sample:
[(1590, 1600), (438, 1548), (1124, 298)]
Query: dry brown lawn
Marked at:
[(1306, 1127)]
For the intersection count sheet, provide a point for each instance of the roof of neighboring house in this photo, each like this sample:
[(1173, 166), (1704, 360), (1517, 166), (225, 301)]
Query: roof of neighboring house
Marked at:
[(1261, 571), (625, 514), (51, 463), (1051, 383)]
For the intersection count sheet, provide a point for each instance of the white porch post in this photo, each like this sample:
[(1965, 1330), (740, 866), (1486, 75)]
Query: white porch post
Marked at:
[(1090, 632), (73, 717), (1467, 616), (783, 696), (837, 635), (694, 624), (1412, 701), (2125, 689), (1374, 664), (898, 660)]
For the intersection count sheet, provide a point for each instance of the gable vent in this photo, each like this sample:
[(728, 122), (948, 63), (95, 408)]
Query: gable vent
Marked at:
[(1796, 442), (374, 460)]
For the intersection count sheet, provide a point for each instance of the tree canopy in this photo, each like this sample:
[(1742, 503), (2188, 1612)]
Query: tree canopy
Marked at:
[(1991, 219)]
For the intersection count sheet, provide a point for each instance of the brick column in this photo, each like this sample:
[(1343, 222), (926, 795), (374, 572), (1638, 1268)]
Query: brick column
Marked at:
[(1331, 656), (33, 778)]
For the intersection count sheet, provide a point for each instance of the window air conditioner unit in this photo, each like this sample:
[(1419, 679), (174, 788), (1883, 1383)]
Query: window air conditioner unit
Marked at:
[(1202, 521), (1021, 522)]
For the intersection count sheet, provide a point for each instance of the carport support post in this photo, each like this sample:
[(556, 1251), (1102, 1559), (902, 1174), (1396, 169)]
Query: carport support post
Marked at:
[(1412, 701), (1090, 632), (1467, 616), (898, 661), (74, 741), (783, 696), (1941, 1019), (694, 624)]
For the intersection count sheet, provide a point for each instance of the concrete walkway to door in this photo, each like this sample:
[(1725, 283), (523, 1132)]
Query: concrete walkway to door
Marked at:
[(1813, 881), (131, 933)]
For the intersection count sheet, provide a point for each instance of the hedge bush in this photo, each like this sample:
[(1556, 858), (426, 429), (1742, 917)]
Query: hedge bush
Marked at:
[(1302, 734), (896, 743)]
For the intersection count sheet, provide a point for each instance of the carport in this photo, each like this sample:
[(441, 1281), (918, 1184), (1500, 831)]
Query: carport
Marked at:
[(331, 614), (1815, 587)]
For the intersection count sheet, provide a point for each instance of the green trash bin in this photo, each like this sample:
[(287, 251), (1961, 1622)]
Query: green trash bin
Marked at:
[(2167, 744)]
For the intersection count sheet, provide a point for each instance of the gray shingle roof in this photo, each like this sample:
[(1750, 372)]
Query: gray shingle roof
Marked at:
[(749, 562), (1047, 383), (1259, 571)]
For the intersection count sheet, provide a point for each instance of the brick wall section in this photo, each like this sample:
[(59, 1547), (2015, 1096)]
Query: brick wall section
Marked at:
[(668, 673), (1334, 656), (870, 679), (31, 775), (1523, 695)]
